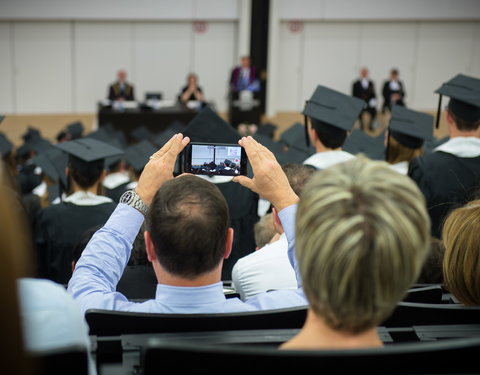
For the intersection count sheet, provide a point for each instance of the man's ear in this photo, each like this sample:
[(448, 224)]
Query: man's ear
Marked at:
[(228, 243), (312, 134), (276, 221), (150, 248)]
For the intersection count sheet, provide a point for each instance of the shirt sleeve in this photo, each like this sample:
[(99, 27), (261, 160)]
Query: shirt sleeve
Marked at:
[(94, 280), (287, 218)]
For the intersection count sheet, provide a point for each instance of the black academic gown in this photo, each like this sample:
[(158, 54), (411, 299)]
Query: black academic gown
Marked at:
[(138, 282), (447, 181), (58, 229), (243, 206), (115, 193)]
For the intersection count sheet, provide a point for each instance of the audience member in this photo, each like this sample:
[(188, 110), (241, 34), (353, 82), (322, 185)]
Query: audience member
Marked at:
[(187, 238), (364, 88), (268, 268), (393, 91), (121, 89), (117, 178), (192, 91), (41, 311), (461, 264), (332, 114), (406, 135), (449, 176), (60, 226), (361, 238), (244, 76)]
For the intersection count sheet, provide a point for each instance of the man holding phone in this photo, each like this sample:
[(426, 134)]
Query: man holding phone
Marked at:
[(187, 239)]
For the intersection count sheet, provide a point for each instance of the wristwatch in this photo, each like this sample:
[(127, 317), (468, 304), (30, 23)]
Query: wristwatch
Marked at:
[(131, 198)]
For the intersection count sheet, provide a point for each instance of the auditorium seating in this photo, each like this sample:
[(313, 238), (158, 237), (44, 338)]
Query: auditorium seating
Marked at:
[(444, 356)]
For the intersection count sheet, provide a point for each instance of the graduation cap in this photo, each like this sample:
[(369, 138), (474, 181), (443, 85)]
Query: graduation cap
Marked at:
[(53, 164), (294, 138), (5, 145), (31, 134), (359, 142), (75, 130), (410, 128), (274, 147), (208, 126), (87, 153), (164, 136), (142, 133), (331, 110), (137, 155), (464, 93)]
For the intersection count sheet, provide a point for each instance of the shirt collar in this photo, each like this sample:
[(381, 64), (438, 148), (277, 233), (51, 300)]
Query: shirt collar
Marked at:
[(322, 160), (463, 147), (189, 296), (85, 198)]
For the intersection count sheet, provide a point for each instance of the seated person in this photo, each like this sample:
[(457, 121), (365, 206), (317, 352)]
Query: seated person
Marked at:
[(191, 91), (407, 133), (121, 89), (60, 226), (460, 237), (393, 92), (187, 238), (41, 314), (244, 77), (268, 268)]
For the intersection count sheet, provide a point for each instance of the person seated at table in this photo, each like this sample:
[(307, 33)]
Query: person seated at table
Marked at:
[(121, 89), (191, 91)]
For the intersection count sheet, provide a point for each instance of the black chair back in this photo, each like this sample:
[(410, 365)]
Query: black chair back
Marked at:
[(112, 323), (72, 360), (408, 314), (444, 356)]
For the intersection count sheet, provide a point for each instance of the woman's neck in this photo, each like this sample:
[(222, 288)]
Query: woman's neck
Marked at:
[(316, 334)]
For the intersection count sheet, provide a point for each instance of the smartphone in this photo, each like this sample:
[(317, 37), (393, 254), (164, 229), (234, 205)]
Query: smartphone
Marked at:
[(223, 159)]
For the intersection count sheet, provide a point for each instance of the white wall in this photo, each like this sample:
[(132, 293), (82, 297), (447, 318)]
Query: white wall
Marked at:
[(59, 56), (429, 41)]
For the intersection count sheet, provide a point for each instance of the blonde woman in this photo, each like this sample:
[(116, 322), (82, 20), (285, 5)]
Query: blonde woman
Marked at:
[(362, 235), (461, 262)]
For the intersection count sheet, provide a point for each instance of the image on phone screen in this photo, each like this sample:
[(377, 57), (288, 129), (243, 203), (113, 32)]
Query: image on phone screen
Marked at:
[(215, 159)]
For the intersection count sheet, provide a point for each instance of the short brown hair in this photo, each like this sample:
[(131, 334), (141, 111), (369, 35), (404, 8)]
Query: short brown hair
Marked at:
[(188, 221), (464, 125), (397, 152), (461, 261)]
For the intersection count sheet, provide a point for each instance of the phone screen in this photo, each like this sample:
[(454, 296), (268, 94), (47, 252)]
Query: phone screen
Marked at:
[(215, 159)]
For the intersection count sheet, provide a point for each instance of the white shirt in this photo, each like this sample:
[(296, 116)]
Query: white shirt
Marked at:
[(113, 180), (322, 160), (50, 317), (85, 198), (401, 167), (463, 147), (265, 269)]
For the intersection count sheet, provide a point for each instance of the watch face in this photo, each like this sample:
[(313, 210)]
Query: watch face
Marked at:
[(127, 197)]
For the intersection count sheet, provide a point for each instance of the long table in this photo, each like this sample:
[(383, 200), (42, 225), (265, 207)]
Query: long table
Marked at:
[(155, 120)]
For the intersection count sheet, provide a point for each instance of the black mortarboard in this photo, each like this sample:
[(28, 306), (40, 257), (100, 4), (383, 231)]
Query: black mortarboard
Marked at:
[(112, 161), (142, 133), (53, 164), (75, 130), (31, 134), (208, 126), (294, 139), (274, 147), (359, 142), (294, 135), (410, 128), (464, 94), (89, 149), (39, 145), (137, 155), (164, 136), (332, 108), (267, 129), (5, 145)]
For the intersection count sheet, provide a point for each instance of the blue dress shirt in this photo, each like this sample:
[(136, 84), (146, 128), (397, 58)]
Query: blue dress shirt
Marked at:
[(93, 283)]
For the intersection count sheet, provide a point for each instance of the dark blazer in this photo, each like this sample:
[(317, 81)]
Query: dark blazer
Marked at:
[(365, 94), (235, 77), (114, 92), (387, 92)]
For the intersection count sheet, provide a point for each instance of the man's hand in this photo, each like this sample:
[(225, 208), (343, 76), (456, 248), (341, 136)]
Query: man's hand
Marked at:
[(269, 181), (160, 168)]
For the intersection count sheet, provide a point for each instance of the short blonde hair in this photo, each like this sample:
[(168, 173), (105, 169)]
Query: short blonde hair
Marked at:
[(461, 261), (362, 235)]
